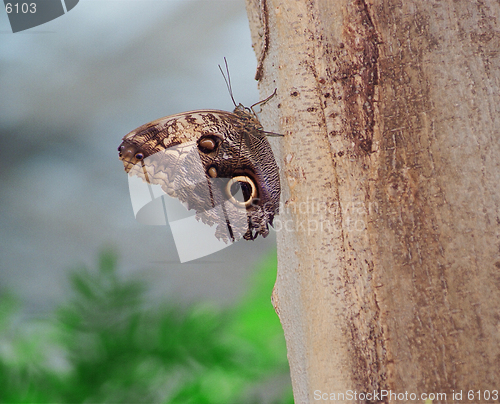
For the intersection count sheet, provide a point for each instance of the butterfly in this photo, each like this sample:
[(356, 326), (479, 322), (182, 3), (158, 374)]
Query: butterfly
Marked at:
[(218, 163)]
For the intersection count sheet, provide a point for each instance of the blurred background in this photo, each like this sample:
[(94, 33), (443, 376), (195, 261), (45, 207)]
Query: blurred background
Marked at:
[(70, 89)]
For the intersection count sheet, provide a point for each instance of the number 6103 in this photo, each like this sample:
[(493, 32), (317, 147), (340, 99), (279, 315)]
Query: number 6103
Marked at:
[(23, 8)]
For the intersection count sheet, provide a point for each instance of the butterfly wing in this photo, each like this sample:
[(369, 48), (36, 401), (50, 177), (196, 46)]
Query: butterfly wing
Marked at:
[(215, 162)]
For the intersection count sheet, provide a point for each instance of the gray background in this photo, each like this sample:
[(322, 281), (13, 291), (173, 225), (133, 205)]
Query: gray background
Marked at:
[(70, 89)]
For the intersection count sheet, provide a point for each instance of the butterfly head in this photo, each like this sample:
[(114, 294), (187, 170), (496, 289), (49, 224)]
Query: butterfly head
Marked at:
[(248, 116)]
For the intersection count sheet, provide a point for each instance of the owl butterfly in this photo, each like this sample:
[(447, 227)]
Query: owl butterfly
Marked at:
[(218, 163)]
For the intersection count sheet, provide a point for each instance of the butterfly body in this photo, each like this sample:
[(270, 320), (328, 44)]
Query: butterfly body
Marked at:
[(206, 157)]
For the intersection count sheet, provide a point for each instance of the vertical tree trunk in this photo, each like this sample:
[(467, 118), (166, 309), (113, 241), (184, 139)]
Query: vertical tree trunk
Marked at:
[(389, 231)]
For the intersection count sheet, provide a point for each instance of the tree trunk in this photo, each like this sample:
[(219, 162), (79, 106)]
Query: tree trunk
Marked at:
[(389, 231)]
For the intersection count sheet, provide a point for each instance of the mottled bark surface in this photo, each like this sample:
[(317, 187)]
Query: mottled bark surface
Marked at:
[(389, 235)]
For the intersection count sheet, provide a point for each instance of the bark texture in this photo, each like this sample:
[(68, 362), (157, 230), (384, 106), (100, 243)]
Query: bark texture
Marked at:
[(389, 231)]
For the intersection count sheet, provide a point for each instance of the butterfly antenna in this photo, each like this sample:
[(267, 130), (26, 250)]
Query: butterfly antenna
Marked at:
[(228, 81)]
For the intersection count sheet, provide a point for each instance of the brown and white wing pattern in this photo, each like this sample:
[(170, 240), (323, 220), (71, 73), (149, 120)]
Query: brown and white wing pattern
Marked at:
[(218, 163)]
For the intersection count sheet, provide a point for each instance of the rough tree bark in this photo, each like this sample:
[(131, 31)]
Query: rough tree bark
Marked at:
[(389, 231)]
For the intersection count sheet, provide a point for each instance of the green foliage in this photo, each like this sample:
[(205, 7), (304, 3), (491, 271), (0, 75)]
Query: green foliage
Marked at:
[(106, 345)]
